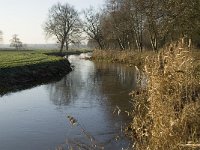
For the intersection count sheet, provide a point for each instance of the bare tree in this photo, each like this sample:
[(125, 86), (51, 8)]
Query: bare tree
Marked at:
[(92, 26), (116, 23), (154, 12), (15, 42), (63, 23), (75, 36), (1, 36)]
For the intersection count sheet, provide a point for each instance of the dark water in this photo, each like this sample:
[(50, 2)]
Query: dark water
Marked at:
[(36, 119)]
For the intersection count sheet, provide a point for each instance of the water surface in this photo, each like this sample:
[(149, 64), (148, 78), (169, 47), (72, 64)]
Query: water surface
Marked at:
[(37, 118)]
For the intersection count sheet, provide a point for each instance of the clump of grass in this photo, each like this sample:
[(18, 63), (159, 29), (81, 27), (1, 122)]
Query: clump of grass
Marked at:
[(166, 112)]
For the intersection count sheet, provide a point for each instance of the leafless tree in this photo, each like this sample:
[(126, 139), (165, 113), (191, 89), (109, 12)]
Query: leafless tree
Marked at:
[(1, 36), (115, 24), (92, 26), (63, 23), (143, 24), (154, 12), (15, 42)]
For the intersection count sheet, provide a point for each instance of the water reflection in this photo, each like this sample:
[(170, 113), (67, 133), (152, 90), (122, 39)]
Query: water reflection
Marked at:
[(111, 81), (89, 93), (78, 83), (92, 92)]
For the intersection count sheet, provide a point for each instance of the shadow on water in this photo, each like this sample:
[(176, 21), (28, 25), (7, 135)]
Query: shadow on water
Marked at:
[(19, 78), (24, 86), (89, 93)]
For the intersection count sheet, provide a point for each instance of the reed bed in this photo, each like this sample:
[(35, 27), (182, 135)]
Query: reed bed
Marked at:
[(166, 112), (126, 57)]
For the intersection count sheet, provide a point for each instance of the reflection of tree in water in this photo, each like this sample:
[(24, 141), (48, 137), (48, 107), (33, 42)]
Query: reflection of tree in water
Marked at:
[(116, 73), (95, 90), (117, 82), (64, 91), (74, 85), (91, 82)]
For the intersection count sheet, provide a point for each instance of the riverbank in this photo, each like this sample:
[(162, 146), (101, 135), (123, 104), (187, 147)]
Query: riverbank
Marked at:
[(167, 108), (133, 58), (166, 112), (130, 58), (66, 53), (20, 69)]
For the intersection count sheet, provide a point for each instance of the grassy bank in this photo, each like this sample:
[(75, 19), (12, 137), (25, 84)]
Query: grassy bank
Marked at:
[(24, 68)]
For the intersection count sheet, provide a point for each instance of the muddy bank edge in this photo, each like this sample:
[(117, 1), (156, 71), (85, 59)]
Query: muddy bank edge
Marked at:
[(35, 73)]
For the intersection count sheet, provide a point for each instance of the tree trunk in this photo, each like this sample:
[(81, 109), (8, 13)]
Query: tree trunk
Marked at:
[(100, 44), (139, 40), (67, 46), (61, 47), (154, 44), (120, 44)]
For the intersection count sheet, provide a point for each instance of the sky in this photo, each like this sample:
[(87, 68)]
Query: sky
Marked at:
[(26, 17)]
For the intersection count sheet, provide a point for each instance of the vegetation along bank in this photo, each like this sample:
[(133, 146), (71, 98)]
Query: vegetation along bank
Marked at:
[(165, 112), (19, 68), (133, 58)]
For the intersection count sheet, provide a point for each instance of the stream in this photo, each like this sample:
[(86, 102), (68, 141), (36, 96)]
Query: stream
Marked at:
[(36, 118)]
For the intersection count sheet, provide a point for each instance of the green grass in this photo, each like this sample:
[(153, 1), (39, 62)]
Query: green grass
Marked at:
[(9, 59)]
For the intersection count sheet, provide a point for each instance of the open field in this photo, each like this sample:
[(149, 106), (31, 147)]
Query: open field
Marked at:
[(14, 58)]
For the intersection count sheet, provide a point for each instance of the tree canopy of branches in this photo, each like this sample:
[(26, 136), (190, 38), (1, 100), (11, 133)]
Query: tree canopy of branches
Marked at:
[(144, 24), (92, 26), (15, 42), (1, 36), (63, 23)]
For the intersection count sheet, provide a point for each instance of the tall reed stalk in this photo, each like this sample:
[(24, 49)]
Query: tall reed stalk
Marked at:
[(166, 112)]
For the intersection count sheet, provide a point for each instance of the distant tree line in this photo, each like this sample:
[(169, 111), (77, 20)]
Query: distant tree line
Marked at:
[(139, 24), (127, 24)]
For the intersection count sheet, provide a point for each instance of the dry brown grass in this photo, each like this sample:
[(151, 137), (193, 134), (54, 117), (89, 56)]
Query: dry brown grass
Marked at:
[(126, 57), (166, 112)]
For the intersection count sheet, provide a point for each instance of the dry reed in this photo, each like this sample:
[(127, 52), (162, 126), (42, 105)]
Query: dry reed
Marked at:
[(126, 57), (166, 112)]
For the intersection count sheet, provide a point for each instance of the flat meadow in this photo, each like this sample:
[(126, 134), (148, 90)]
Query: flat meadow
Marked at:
[(9, 59)]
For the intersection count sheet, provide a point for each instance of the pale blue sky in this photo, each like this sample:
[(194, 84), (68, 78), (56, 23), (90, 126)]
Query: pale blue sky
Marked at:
[(25, 17)]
